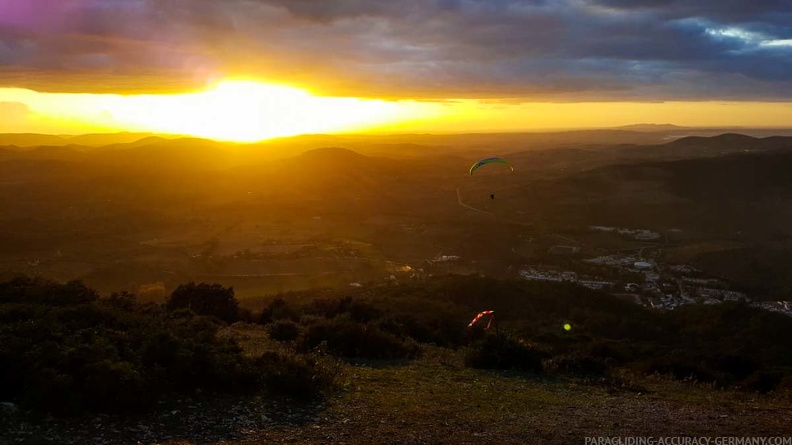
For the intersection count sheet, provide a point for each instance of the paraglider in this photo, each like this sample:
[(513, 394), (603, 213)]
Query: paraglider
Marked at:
[(492, 322), (481, 314), (485, 161)]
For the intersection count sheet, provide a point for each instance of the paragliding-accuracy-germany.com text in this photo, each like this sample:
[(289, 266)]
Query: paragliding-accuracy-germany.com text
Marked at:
[(685, 440)]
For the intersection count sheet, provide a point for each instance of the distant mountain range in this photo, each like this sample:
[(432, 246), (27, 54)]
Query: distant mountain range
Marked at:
[(651, 127), (90, 140), (415, 144)]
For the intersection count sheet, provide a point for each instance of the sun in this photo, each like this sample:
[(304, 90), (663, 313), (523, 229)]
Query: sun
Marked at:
[(246, 110)]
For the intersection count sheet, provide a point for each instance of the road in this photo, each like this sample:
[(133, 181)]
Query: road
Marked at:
[(459, 200)]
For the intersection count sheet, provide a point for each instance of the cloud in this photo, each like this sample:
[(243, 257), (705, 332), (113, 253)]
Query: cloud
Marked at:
[(549, 50)]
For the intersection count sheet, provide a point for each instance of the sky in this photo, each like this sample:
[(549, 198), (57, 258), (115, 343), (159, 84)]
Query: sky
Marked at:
[(296, 66)]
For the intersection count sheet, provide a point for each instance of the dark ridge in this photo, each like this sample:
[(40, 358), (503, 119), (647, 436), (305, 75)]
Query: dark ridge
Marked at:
[(30, 139), (726, 138), (100, 139), (330, 151), (733, 137), (651, 127), (332, 154)]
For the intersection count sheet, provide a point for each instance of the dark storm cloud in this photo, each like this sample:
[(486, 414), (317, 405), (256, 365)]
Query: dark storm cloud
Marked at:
[(558, 50)]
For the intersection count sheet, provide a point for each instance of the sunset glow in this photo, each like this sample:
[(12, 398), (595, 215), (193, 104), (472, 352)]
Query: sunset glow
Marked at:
[(234, 110), (245, 110), (242, 71)]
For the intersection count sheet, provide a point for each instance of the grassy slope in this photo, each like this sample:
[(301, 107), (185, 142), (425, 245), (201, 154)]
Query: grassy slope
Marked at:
[(434, 399)]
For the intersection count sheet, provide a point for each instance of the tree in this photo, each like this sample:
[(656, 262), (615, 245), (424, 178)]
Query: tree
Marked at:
[(205, 299)]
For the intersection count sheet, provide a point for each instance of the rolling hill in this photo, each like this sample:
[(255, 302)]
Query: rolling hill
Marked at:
[(117, 204)]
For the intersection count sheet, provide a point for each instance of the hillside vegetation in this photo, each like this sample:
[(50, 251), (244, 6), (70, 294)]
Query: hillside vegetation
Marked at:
[(65, 349)]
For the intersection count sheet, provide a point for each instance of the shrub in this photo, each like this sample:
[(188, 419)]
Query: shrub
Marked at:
[(441, 330), (765, 381), (245, 315), (205, 299), (611, 352), (738, 365), (363, 312), (328, 307), (106, 355), (41, 291), (578, 364), (114, 386), (51, 391), (503, 352), (300, 376), (284, 330), (345, 338), (679, 368), (122, 300), (277, 309)]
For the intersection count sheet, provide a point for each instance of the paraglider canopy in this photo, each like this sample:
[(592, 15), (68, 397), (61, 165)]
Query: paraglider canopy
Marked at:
[(478, 164), (482, 314)]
